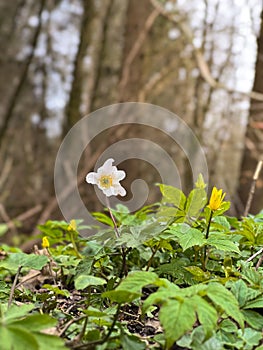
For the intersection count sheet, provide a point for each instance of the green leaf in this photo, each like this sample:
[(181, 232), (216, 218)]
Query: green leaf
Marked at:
[(136, 280), (221, 224), (254, 319), (131, 342), (15, 312), (47, 341), (221, 242), (56, 290), (196, 201), (224, 299), (206, 313), (32, 261), (200, 183), (177, 317), (84, 281), (254, 304), (191, 238), (228, 326), (198, 273), (173, 195), (17, 338), (240, 291), (36, 322), (250, 337), (121, 296), (187, 236)]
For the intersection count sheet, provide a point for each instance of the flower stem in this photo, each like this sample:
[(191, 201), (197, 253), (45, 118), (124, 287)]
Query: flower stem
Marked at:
[(113, 218), (123, 252), (206, 237)]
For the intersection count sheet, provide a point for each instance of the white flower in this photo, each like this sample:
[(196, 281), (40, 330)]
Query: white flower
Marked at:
[(108, 179)]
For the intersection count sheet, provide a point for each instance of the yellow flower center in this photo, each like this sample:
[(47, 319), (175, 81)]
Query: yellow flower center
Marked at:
[(106, 181)]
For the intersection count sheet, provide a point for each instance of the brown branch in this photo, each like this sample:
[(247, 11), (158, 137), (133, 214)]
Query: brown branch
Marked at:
[(253, 187), (14, 286), (200, 59), (136, 48)]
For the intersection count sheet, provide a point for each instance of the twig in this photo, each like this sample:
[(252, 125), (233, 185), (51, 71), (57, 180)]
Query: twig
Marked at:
[(260, 260), (252, 188), (73, 320), (136, 48), (14, 286), (254, 255), (200, 59)]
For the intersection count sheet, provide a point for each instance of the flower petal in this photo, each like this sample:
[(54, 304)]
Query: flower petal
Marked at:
[(92, 178), (119, 190), (119, 175)]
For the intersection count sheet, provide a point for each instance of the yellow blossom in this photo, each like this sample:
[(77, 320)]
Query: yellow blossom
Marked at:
[(72, 225), (216, 199), (45, 242)]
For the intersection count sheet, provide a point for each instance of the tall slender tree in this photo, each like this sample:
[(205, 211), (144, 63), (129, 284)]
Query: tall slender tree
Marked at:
[(253, 151)]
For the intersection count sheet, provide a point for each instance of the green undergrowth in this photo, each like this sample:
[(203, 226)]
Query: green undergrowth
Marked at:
[(174, 275)]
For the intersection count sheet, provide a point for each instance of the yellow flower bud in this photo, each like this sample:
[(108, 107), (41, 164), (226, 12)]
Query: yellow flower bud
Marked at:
[(72, 225), (45, 242)]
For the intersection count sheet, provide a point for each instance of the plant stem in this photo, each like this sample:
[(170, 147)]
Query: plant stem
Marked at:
[(206, 237), (151, 258), (123, 252), (74, 245), (113, 218)]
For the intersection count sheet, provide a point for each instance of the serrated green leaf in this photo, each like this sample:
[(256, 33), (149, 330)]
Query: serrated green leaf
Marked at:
[(221, 242), (176, 318), (250, 337), (32, 261), (206, 313), (173, 195), (196, 201), (254, 319), (240, 291), (84, 281), (192, 237), (221, 223), (254, 304), (223, 298), (228, 326)]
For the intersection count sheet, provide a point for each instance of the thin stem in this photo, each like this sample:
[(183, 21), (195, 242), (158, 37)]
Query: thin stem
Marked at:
[(206, 237), (74, 245), (112, 218), (123, 252), (151, 258), (14, 286)]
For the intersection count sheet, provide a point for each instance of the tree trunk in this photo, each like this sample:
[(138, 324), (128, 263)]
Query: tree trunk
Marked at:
[(253, 151)]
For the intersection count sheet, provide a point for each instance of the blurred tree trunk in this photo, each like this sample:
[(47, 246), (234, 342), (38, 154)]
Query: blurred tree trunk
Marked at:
[(253, 151)]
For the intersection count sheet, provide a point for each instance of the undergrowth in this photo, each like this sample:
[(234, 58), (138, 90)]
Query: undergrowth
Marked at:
[(179, 274)]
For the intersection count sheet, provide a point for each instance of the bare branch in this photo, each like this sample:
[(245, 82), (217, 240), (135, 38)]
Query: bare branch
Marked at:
[(200, 59)]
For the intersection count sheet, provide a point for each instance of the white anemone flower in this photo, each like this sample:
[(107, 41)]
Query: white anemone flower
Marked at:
[(108, 178)]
